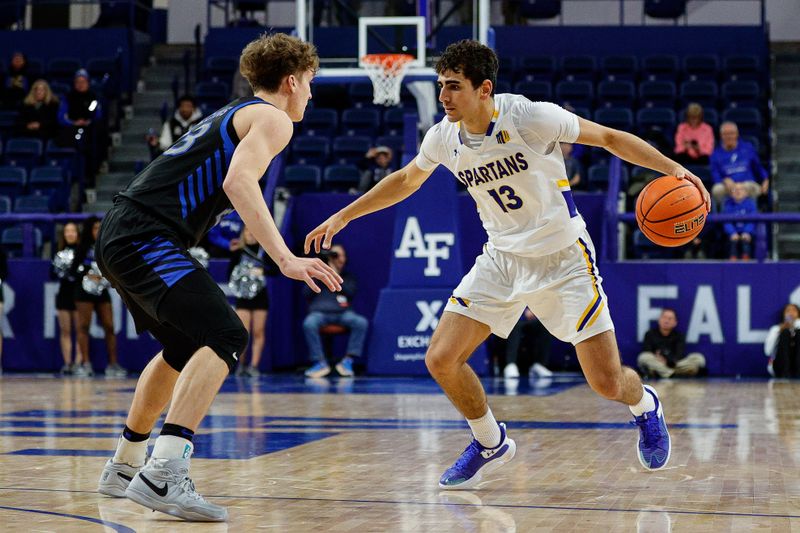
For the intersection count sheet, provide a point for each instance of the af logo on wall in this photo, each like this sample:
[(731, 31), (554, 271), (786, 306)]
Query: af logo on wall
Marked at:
[(432, 246)]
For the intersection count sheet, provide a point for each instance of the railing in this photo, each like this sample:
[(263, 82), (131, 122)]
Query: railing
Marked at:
[(28, 221)]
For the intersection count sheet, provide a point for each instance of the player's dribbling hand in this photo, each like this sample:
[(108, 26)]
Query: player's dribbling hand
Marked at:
[(306, 269), (683, 174), (322, 235)]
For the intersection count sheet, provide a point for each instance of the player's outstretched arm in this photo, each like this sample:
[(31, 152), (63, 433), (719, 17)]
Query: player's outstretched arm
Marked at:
[(634, 150), (392, 189), (268, 131)]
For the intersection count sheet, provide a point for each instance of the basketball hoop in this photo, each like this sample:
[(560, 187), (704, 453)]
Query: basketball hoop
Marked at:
[(386, 72)]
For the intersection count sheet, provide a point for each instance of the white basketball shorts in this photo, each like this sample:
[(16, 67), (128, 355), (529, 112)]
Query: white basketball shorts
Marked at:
[(563, 289)]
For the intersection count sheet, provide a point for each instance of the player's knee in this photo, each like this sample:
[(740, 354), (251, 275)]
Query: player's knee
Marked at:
[(439, 362), (609, 387), (228, 343)]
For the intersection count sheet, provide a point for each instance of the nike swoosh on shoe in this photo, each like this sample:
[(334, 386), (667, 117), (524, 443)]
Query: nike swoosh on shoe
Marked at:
[(161, 491)]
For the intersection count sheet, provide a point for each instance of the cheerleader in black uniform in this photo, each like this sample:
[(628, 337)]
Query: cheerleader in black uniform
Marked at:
[(252, 311), (87, 302), (65, 298)]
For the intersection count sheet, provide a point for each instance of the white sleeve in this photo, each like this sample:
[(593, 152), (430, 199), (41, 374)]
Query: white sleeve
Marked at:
[(432, 149), (771, 341), (546, 122)]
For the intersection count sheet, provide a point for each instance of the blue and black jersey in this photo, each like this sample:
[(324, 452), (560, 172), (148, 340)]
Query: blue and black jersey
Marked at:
[(183, 186)]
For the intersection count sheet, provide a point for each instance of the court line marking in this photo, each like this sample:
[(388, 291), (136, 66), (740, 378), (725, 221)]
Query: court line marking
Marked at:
[(450, 504), (113, 525)]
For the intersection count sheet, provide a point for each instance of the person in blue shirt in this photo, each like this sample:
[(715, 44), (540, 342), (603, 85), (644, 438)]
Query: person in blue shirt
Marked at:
[(224, 238), (740, 234), (736, 161)]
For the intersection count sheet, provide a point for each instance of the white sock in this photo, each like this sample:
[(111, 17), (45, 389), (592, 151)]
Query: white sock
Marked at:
[(131, 453), (172, 447), (645, 405), (486, 430)]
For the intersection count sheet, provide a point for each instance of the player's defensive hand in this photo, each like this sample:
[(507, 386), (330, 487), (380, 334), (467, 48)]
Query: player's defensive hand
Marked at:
[(683, 174), (305, 269), (323, 234)]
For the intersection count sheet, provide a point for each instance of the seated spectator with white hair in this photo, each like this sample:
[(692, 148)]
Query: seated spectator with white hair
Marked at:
[(736, 161)]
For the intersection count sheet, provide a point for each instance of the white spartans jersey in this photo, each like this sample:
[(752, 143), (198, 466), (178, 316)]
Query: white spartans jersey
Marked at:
[(516, 176)]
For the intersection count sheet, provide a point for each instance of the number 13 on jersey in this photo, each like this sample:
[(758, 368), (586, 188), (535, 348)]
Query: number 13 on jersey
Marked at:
[(506, 198)]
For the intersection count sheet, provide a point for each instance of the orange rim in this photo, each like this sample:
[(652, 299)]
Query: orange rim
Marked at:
[(388, 61)]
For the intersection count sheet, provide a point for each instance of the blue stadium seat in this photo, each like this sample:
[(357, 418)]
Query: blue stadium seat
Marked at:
[(35, 68), (213, 94), (619, 68), (575, 93), (598, 177), (616, 93), (364, 121), (341, 177), (662, 67), (23, 152), (49, 181), (220, 68), (697, 67), (12, 241), (747, 119), (710, 116), (582, 112), (5, 205), (644, 248), (8, 122), (60, 88), (744, 93), (32, 203), (394, 120), (507, 69), (100, 66), (350, 150), (537, 68), (302, 178), (320, 122), (702, 92), (662, 118), (12, 181), (62, 69), (618, 118), (657, 93), (395, 142), (310, 150), (360, 94), (536, 91), (741, 67), (64, 157), (574, 68)]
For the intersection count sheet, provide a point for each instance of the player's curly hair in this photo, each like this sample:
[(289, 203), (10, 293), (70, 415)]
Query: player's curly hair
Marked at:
[(272, 57), (477, 62)]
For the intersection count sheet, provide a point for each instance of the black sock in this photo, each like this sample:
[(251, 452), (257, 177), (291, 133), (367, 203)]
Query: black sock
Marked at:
[(131, 436), (177, 431)]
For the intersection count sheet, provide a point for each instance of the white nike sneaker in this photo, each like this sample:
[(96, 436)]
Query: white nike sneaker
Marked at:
[(164, 485), (115, 478)]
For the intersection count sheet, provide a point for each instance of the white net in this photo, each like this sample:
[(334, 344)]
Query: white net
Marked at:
[(386, 72)]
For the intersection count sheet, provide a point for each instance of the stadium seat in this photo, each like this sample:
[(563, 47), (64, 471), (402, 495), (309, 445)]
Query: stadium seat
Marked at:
[(213, 94), (100, 66), (536, 91), (644, 248), (62, 69), (575, 68), (537, 68), (394, 120), (619, 68), (23, 152), (60, 88), (349, 150), (8, 122), (12, 181), (748, 120), (320, 122), (662, 67), (702, 92), (310, 151), (360, 94), (741, 67), (221, 68), (507, 69), (5, 205), (700, 67), (35, 68), (598, 177), (395, 142), (64, 157), (32, 203), (12, 240), (744, 93), (302, 178), (621, 119), (657, 93), (710, 116), (364, 122), (49, 181), (575, 93), (341, 177), (658, 117), (611, 93)]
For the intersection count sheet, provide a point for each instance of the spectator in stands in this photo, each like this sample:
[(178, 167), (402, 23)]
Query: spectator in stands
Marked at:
[(65, 297), (537, 341), (694, 139), (251, 305), (91, 295), (186, 115), (329, 308), (377, 165), (80, 116), (782, 346), (16, 85), (736, 161), (740, 234), (572, 165), (223, 239), (663, 350), (39, 115)]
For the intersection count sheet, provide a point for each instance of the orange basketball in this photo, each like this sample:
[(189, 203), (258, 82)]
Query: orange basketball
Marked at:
[(670, 211)]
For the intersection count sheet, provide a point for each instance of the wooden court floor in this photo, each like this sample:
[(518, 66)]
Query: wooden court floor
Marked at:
[(364, 455)]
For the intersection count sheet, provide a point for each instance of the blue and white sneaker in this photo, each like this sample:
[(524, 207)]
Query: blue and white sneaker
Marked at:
[(319, 370), (476, 462), (654, 446), (345, 367)]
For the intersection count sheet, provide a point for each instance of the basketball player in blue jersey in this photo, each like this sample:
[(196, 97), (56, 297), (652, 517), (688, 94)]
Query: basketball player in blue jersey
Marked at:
[(505, 150), (142, 250)]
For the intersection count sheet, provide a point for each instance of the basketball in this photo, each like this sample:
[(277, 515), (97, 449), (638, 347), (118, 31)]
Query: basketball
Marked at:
[(670, 211)]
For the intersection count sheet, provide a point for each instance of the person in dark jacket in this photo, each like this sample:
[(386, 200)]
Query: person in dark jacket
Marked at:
[(663, 350), (186, 115), (65, 297), (16, 83), (782, 344), (329, 308), (81, 119), (39, 115)]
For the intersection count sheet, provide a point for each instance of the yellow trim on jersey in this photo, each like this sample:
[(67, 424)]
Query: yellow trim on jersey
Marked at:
[(590, 269), (563, 183)]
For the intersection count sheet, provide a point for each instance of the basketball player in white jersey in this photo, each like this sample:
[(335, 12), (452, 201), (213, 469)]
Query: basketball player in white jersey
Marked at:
[(505, 150)]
